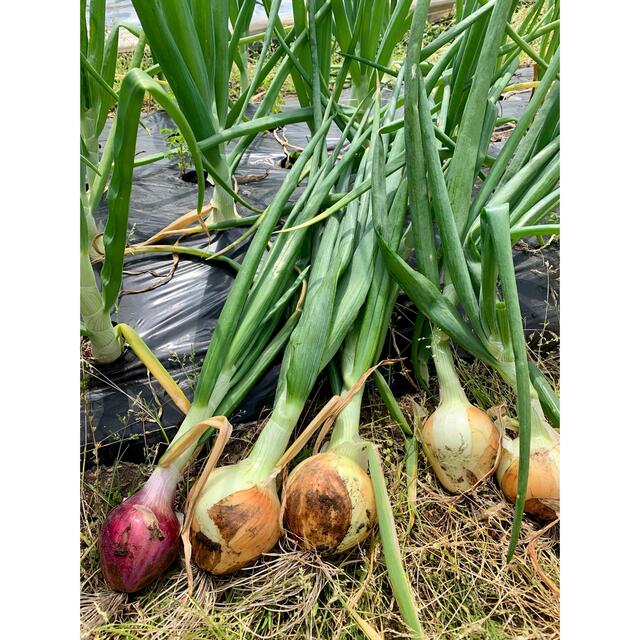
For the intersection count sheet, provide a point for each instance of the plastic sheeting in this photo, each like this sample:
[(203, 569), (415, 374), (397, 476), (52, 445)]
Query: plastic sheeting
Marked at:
[(174, 305)]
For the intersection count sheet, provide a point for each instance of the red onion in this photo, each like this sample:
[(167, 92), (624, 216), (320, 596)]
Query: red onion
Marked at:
[(140, 537)]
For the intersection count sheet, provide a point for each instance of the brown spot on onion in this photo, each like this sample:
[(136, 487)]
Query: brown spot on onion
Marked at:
[(247, 525), (329, 504)]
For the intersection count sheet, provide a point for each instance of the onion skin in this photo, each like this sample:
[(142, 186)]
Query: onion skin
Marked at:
[(461, 443), (543, 484), (329, 504), (140, 538), (231, 530)]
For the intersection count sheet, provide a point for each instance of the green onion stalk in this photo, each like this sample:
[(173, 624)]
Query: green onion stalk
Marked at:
[(332, 499), (98, 55), (367, 34), (196, 50), (524, 176), (538, 445), (105, 345), (528, 469), (460, 440), (236, 516), (96, 302)]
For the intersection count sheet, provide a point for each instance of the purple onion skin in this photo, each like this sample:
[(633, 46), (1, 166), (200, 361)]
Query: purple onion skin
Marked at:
[(140, 537)]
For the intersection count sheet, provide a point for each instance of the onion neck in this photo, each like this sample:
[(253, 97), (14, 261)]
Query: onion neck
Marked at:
[(96, 244), (347, 426), (345, 437), (195, 416), (541, 430), (222, 202), (274, 437), (451, 391), (104, 341), (160, 489), (359, 88)]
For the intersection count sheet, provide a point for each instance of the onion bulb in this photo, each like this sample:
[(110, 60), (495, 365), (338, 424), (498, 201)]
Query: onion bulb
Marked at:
[(140, 538), (235, 520), (543, 486), (461, 443), (329, 503)]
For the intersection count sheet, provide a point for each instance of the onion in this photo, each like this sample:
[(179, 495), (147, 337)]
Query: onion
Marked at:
[(140, 537), (543, 486), (329, 503), (235, 519), (461, 443)]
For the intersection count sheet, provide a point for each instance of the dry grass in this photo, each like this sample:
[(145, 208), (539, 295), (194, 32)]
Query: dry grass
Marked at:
[(454, 554)]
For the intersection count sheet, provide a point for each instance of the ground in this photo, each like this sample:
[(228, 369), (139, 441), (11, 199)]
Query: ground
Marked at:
[(455, 556)]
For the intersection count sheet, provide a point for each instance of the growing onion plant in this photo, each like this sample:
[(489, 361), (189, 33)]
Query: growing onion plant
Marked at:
[(98, 57), (96, 302), (337, 477), (518, 190), (242, 498)]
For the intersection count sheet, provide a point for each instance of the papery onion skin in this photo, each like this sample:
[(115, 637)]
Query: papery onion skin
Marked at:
[(329, 504), (140, 537), (230, 530), (461, 443), (544, 478)]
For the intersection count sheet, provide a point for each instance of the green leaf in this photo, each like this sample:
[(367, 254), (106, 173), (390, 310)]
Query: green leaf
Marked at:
[(432, 303), (400, 585), (416, 170), (134, 86), (462, 170), (497, 219)]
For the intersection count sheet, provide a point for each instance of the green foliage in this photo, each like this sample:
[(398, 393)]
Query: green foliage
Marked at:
[(177, 148)]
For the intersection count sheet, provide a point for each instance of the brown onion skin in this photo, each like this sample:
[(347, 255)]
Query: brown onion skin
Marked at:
[(247, 524), (543, 484), (320, 503), (138, 543)]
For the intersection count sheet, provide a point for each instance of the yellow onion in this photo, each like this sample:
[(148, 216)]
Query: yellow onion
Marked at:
[(543, 487), (235, 520), (461, 443), (329, 503)]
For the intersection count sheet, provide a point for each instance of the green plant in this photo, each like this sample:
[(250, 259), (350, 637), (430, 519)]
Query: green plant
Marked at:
[(177, 147), (475, 253), (98, 57)]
